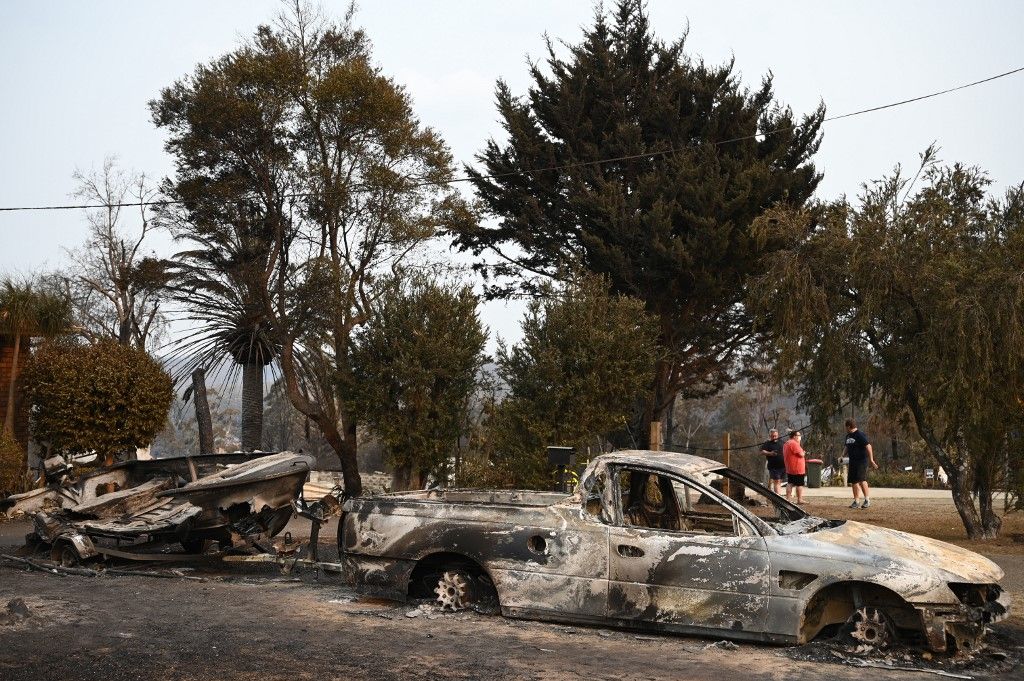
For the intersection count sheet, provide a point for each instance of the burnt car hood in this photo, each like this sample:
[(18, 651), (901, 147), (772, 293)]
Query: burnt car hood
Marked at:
[(881, 547)]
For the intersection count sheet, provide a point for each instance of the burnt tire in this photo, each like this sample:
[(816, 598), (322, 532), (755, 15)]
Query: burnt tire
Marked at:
[(65, 554), (69, 557), (193, 545)]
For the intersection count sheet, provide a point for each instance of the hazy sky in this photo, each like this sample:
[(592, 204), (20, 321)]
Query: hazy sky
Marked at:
[(76, 77)]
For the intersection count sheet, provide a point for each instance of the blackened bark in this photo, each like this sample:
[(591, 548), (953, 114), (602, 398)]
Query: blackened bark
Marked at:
[(204, 421)]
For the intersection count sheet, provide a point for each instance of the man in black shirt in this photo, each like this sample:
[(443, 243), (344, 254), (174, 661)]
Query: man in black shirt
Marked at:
[(859, 452), (772, 450)]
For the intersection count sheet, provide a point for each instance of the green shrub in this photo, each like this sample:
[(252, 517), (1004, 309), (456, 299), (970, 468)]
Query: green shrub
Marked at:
[(104, 398), (574, 378), (899, 480)]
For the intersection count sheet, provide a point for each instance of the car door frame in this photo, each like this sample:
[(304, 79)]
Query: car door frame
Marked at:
[(679, 582), (563, 575)]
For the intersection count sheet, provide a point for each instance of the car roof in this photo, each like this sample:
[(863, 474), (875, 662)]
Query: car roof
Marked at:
[(686, 464)]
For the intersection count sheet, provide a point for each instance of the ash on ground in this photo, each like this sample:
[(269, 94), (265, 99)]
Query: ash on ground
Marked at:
[(1002, 654)]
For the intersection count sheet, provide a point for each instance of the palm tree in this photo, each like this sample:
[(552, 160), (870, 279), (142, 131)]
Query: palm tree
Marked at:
[(227, 200), (216, 285), (28, 309)]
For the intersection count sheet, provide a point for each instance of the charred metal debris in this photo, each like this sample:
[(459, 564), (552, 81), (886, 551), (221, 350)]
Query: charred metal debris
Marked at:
[(220, 505)]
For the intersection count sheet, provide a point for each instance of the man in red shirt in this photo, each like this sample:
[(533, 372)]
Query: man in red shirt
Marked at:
[(796, 466)]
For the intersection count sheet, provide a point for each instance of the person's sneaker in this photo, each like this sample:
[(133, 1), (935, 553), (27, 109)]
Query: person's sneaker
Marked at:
[(867, 502), (854, 504)]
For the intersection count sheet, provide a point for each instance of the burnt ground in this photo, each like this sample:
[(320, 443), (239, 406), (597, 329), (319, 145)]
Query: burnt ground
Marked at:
[(248, 622)]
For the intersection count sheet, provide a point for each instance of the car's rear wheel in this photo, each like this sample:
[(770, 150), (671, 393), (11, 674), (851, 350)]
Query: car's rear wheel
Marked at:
[(453, 590), (458, 589)]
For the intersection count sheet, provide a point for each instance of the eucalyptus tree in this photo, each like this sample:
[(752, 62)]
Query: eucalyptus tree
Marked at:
[(302, 128), (636, 161), (913, 297)]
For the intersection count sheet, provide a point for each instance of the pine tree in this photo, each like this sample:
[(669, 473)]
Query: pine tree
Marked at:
[(668, 219)]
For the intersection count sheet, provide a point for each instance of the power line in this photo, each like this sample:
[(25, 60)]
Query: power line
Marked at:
[(685, 449), (754, 136), (581, 164), (810, 425)]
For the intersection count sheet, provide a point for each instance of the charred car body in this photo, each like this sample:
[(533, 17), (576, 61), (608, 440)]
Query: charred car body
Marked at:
[(671, 542)]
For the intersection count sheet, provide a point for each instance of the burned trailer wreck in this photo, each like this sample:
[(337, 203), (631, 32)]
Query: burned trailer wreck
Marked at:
[(232, 499), (670, 542)]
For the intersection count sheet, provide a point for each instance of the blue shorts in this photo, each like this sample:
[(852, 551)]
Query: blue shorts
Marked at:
[(776, 473)]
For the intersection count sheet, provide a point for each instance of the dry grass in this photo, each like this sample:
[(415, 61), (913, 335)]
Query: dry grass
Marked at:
[(929, 517)]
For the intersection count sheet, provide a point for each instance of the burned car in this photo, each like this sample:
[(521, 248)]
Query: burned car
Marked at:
[(670, 542)]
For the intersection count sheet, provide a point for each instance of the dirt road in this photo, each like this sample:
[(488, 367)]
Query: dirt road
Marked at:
[(112, 628)]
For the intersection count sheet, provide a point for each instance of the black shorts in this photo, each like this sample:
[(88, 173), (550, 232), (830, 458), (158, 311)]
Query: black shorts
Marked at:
[(776, 473), (797, 480), (858, 472)]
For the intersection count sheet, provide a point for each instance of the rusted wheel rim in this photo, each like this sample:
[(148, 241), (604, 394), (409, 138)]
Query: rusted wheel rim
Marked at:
[(871, 626), (452, 591)]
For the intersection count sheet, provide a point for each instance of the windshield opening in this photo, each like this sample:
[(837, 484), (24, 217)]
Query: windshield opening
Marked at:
[(757, 499)]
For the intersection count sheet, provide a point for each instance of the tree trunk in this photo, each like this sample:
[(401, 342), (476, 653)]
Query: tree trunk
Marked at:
[(962, 498), (401, 478), (9, 416), (408, 477), (204, 421), (350, 460), (252, 406), (343, 445), (990, 520), (657, 403), (124, 332), (976, 525), (345, 448), (669, 435)]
